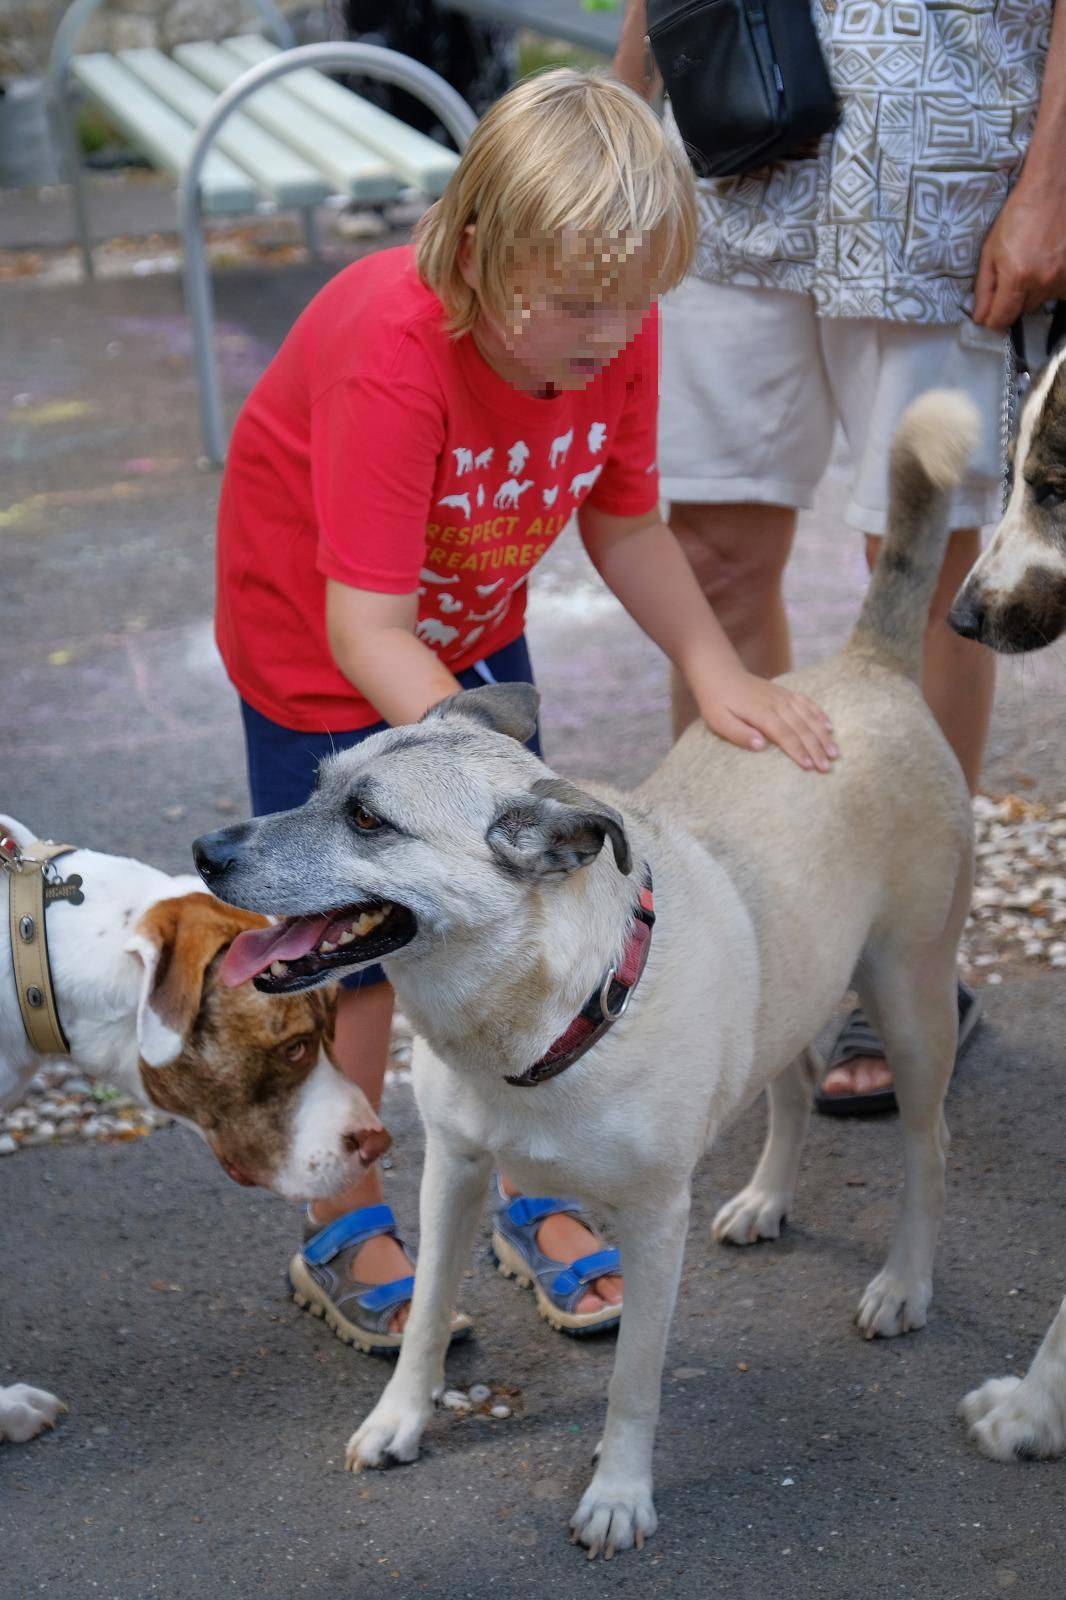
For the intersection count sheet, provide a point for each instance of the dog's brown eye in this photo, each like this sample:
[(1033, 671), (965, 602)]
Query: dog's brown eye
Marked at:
[(364, 819), (297, 1050)]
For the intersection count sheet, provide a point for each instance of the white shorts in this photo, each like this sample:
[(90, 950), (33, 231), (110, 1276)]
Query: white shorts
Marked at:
[(754, 385)]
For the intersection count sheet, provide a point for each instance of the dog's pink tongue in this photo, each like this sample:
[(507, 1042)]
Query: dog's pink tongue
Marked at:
[(252, 952)]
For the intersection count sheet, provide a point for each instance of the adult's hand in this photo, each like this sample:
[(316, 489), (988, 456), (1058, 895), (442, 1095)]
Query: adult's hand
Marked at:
[(1023, 262)]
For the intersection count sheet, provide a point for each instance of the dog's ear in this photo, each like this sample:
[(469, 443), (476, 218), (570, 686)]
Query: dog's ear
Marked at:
[(554, 830), (509, 708), (177, 940)]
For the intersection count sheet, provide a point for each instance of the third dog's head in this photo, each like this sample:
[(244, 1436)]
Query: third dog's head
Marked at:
[(1015, 597), (419, 837)]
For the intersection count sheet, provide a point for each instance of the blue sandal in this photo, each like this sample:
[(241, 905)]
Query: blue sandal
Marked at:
[(558, 1288), (321, 1281)]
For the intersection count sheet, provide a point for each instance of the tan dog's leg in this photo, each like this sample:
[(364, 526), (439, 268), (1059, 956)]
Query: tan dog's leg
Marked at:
[(760, 1208), (453, 1193), (1011, 1417), (915, 1010), (616, 1510)]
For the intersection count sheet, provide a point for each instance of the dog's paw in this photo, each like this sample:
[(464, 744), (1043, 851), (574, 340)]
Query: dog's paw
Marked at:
[(751, 1215), (1011, 1417), (892, 1305), (26, 1412), (392, 1432), (614, 1514)]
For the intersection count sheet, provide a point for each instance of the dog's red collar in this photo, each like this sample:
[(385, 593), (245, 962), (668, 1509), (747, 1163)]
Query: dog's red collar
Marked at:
[(605, 1004)]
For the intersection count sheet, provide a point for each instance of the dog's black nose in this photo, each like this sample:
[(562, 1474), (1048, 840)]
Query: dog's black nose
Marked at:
[(967, 616), (215, 853)]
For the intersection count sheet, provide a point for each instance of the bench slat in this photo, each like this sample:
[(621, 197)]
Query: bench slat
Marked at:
[(350, 165), (422, 162), (165, 137), (280, 173)]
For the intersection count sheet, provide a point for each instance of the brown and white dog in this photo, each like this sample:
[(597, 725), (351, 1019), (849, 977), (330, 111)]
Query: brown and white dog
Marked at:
[(1015, 600), (135, 972)]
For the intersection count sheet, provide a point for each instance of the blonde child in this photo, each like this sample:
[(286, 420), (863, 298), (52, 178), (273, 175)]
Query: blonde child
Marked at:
[(428, 428)]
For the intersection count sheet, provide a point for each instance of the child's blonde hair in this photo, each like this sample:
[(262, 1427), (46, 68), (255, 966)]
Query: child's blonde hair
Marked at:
[(564, 156)]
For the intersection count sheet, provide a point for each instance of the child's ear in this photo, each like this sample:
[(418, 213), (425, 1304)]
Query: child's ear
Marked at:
[(467, 264)]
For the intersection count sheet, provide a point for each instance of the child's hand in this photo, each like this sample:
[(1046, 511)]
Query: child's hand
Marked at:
[(751, 711)]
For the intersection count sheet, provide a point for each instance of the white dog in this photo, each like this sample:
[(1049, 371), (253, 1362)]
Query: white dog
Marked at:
[(1015, 599), (507, 928), (134, 971)]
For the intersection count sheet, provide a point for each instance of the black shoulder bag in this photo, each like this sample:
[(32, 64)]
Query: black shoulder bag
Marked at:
[(746, 78)]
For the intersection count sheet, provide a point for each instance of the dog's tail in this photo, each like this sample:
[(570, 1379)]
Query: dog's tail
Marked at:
[(930, 449)]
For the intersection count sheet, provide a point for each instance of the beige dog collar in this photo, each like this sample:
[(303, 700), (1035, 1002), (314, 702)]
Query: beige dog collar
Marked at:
[(32, 885)]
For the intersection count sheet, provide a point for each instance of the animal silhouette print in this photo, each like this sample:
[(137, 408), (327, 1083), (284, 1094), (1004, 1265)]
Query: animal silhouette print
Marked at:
[(491, 616), (461, 502), (597, 436), (517, 457), (434, 632), (487, 588), (481, 493), (550, 495), (464, 460), (511, 491), (560, 447), (448, 603), (484, 458), (581, 481), (435, 577)]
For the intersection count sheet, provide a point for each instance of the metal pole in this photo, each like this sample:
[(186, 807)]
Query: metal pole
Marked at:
[(373, 61), (311, 233), (63, 122), (71, 24)]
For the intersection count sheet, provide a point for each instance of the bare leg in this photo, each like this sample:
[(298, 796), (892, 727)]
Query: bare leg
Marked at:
[(454, 1185), (758, 1211), (739, 554), (361, 1051), (960, 683), (616, 1510), (1011, 1417)]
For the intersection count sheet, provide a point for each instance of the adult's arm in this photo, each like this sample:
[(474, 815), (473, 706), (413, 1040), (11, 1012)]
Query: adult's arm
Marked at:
[(1023, 261), (633, 61)]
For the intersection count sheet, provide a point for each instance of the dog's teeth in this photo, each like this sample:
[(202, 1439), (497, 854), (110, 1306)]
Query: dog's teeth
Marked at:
[(346, 937), (279, 969), (326, 947)]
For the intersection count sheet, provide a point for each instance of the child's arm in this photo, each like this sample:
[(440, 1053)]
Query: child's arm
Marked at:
[(372, 637), (642, 563)]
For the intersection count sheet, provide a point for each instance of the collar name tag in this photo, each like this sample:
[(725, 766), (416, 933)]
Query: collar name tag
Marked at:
[(68, 889)]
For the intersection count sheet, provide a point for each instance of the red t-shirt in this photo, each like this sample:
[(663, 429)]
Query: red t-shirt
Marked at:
[(379, 451)]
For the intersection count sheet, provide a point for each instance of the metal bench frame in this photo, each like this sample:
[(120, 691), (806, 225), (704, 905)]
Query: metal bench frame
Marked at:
[(386, 66)]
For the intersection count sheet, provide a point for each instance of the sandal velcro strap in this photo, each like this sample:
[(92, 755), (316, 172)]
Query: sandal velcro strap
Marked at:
[(586, 1269), (857, 1041), (386, 1296), (353, 1228), (528, 1208)]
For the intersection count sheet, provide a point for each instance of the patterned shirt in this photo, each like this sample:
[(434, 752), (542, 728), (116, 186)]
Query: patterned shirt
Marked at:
[(938, 102)]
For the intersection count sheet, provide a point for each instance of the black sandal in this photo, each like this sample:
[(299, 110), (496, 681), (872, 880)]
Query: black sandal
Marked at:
[(857, 1041)]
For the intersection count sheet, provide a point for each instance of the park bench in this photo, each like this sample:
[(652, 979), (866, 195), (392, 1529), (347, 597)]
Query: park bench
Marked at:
[(250, 123)]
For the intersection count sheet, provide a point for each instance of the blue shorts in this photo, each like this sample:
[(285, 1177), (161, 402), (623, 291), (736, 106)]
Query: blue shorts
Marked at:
[(282, 762)]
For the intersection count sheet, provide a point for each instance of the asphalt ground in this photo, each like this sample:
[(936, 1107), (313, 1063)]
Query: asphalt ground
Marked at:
[(203, 1451)]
